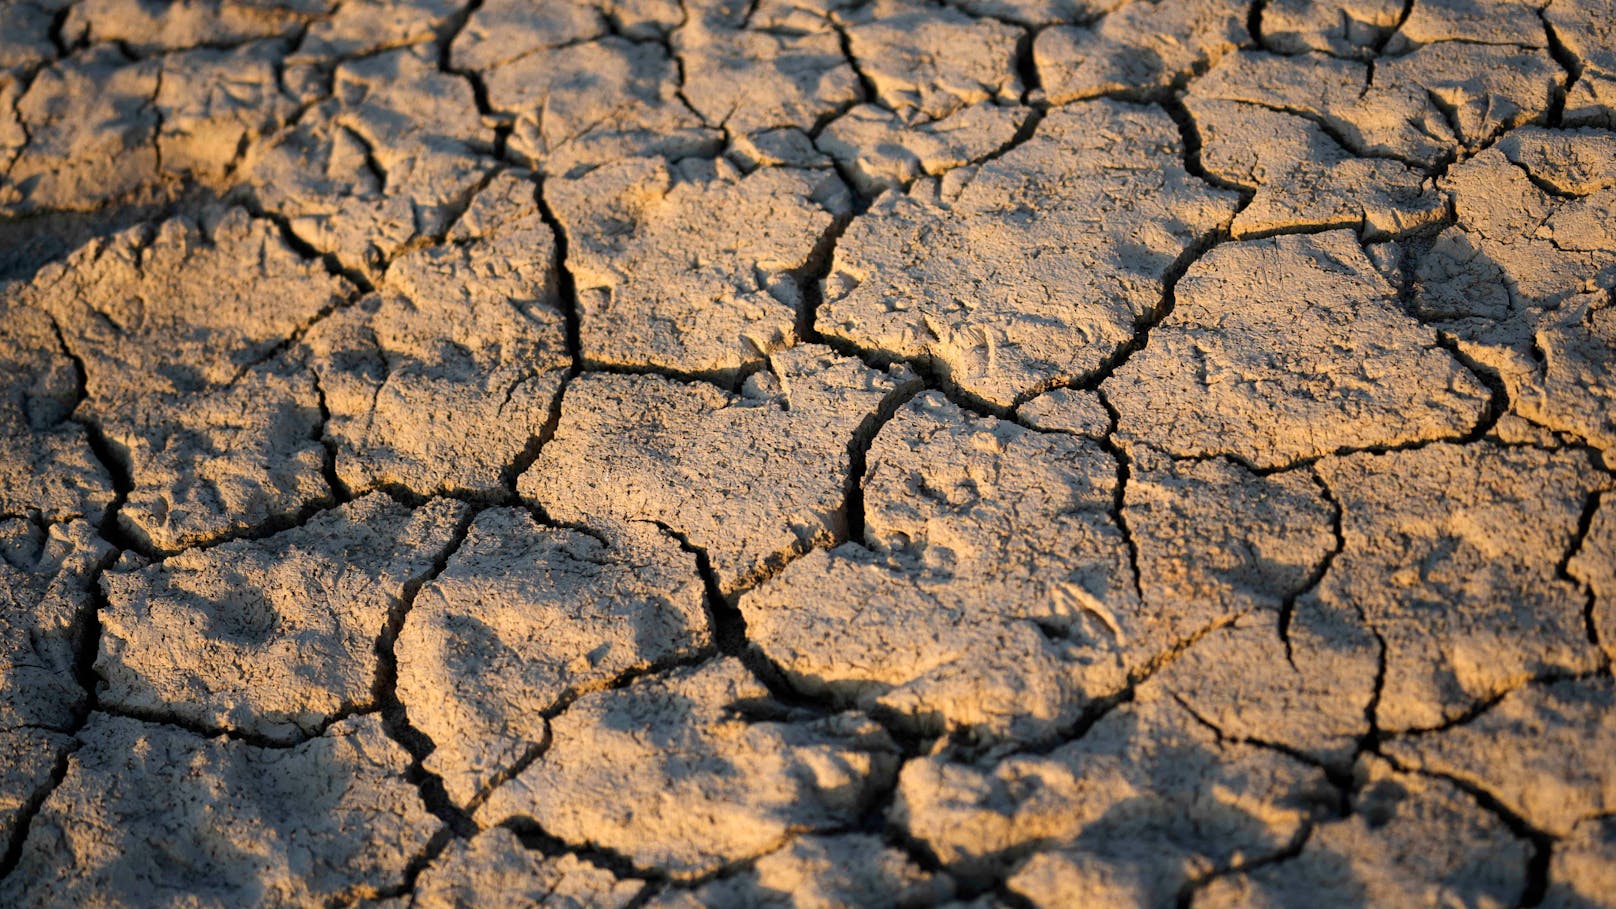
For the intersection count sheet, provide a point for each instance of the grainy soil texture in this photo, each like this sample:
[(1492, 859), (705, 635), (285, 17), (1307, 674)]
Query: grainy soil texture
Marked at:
[(987, 454)]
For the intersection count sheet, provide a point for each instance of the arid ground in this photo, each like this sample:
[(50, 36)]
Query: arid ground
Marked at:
[(808, 453)]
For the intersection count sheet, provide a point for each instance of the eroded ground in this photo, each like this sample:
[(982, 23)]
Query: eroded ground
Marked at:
[(1000, 453)]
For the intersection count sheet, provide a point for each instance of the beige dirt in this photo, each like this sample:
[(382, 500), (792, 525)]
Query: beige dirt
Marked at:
[(804, 454)]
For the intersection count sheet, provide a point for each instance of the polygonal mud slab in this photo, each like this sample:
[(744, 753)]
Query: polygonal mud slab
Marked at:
[(1451, 557), (926, 63), (494, 867), (1149, 797), (752, 68), (177, 328), (1140, 48), (1583, 870), (991, 591), (695, 268), (1522, 281), (1302, 178), (86, 134), (444, 380), (694, 770), (1287, 349), (45, 578), (390, 158), (525, 617), (878, 150), (46, 463), (577, 104), (750, 507), (270, 637), (852, 869), (1344, 28), (1542, 751), (1033, 270), (1410, 841), (148, 28), (1422, 108), (151, 814)]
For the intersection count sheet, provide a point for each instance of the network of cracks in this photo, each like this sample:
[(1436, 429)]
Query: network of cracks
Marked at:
[(998, 453)]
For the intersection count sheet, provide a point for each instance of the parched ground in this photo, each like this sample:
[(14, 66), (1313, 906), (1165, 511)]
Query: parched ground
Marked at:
[(808, 453)]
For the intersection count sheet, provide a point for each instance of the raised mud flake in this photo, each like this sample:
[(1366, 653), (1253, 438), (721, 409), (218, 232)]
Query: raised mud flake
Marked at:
[(1290, 348), (526, 616), (852, 869), (580, 105), (991, 591), (150, 28), (1149, 797), (151, 814), (1344, 28), (390, 158), (674, 460), (1410, 840), (1522, 281), (693, 267), (1582, 872), (1301, 178), (440, 381), (1142, 47), (1033, 270), (45, 578), (879, 151), (494, 867), (1543, 751), (926, 63), (1451, 555), (785, 67), (1587, 28), (271, 637), (673, 773), (214, 103), (91, 129), (46, 464), (1421, 108)]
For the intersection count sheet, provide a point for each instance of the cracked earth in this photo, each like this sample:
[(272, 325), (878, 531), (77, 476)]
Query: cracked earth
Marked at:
[(808, 453)]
